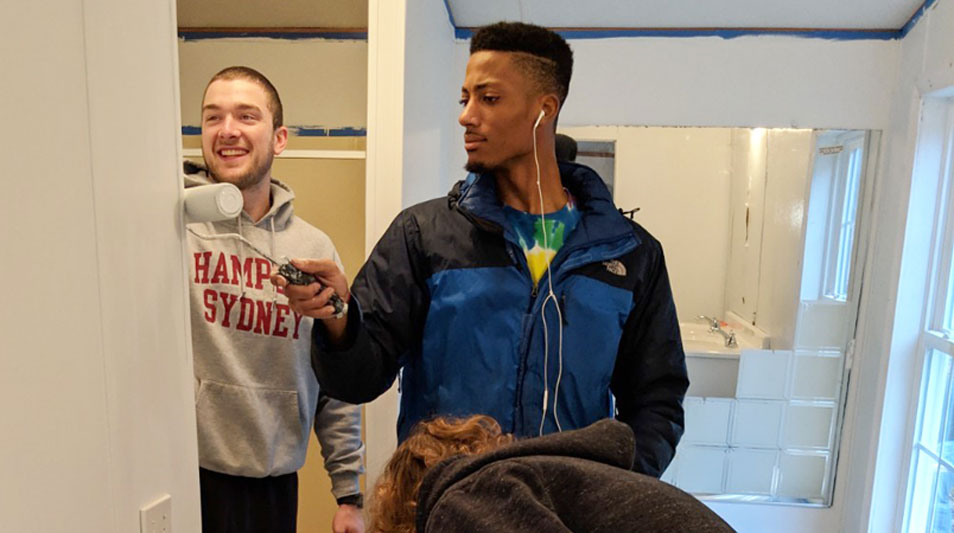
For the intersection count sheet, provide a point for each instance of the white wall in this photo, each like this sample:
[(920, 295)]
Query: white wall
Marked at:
[(679, 178), (746, 215), (886, 359), (788, 176), (96, 373), (322, 82), (430, 98), (760, 81)]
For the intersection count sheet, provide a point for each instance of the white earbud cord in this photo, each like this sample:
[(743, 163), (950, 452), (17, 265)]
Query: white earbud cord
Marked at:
[(550, 295)]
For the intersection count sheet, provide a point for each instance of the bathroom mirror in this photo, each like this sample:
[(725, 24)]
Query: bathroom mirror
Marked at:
[(761, 229)]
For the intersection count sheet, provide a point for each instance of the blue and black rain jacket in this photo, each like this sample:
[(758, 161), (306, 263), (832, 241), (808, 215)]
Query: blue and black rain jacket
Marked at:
[(446, 300)]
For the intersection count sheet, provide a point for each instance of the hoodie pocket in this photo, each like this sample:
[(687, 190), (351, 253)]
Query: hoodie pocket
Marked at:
[(247, 431)]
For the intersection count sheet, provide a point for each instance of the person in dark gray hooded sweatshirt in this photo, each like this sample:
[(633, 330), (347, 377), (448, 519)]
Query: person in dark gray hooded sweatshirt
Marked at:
[(463, 475)]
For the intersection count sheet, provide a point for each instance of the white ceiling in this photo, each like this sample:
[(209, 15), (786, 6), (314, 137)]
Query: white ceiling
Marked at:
[(637, 14), (625, 14)]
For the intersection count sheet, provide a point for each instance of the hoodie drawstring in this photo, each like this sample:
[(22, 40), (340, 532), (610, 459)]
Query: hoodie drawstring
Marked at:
[(271, 252), (241, 252)]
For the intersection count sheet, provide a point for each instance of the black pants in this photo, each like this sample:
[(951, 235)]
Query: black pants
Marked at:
[(234, 504)]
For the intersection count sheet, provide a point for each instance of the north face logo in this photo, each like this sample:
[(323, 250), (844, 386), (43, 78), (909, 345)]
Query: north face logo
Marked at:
[(615, 267)]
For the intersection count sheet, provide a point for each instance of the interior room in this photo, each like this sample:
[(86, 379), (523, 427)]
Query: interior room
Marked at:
[(793, 161)]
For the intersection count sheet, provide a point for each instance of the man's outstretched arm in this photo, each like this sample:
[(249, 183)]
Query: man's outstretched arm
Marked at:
[(356, 357)]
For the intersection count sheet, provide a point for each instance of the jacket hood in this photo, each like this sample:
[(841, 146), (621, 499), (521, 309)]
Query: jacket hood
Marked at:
[(608, 441), (282, 196)]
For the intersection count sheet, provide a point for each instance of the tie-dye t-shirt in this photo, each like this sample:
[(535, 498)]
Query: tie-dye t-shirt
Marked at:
[(529, 232)]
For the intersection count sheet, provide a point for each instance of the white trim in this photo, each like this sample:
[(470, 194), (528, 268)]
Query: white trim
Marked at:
[(896, 398), (945, 234), (935, 341), (298, 154), (387, 20)]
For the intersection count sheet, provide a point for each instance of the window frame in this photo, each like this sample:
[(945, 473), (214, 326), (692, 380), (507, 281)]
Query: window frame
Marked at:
[(933, 336), (838, 193)]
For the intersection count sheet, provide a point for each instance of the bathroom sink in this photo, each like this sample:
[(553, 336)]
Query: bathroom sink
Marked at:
[(698, 340), (712, 366)]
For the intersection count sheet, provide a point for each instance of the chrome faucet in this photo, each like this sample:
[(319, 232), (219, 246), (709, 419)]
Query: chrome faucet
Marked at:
[(715, 326)]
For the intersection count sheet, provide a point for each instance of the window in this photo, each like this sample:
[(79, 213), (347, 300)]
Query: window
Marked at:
[(843, 214), (930, 503)]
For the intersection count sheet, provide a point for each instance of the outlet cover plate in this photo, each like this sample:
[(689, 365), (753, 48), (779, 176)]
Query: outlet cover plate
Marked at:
[(157, 516)]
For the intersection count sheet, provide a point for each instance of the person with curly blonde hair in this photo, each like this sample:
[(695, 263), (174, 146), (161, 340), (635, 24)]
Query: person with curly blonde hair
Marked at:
[(465, 475)]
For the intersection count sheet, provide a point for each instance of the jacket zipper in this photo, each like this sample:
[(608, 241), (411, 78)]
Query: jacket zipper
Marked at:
[(562, 268), (525, 335)]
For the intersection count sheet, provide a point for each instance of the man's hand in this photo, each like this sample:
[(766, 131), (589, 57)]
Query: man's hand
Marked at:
[(312, 300), (347, 519)]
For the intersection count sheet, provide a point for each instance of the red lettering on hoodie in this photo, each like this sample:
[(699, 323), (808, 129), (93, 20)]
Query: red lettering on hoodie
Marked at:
[(202, 260), (242, 270), (221, 274), (247, 315), (297, 323), (228, 302), (209, 297), (263, 268), (263, 317), (281, 311)]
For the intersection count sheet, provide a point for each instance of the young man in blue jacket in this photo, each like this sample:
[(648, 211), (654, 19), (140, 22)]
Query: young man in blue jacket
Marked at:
[(524, 294)]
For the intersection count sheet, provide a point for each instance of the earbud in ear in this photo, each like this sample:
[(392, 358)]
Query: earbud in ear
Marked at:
[(539, 118)]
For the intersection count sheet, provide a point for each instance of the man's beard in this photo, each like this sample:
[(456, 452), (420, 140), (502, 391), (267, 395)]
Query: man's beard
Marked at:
[(479, 168), (250, 179)]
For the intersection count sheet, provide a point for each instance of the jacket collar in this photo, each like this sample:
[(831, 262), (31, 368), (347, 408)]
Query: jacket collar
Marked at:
[(476, 196)]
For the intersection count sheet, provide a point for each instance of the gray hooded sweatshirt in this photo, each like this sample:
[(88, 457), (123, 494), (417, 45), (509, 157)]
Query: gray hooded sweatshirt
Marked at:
[(256, 396)]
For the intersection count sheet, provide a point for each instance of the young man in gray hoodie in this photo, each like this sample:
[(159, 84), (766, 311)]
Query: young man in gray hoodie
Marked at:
[(257, 397)]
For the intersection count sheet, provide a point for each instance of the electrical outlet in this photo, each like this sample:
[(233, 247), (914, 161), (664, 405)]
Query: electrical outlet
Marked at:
[(157, 516)]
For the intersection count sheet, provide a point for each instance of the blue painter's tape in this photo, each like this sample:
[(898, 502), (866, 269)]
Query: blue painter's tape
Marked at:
[(913, 21), (302, 131), (284, 35), (348, 132), (608, 33), (308, 131), (450, 15), (318, 131)]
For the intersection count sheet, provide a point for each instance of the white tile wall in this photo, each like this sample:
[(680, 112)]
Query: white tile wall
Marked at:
[(707, 420), (763, 374), (802, 475), (756, 423), (822, 324), (751, 471), (808, 426), (816, 375), (701, 469)]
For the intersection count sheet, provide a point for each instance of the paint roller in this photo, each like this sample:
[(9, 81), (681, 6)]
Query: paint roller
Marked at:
[(211, 203)]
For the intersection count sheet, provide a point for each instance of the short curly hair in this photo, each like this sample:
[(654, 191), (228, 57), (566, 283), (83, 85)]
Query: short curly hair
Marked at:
[(543, 54), (394, 499)]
